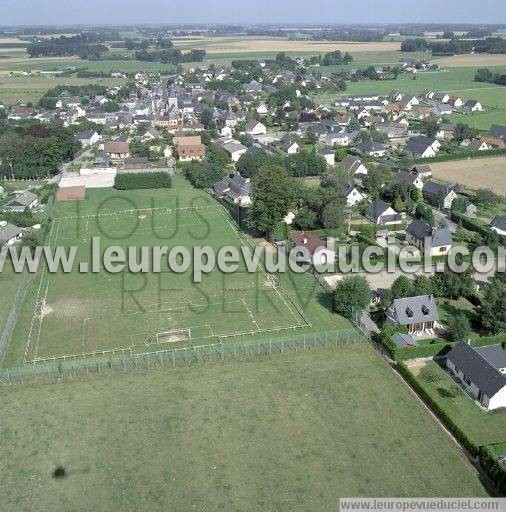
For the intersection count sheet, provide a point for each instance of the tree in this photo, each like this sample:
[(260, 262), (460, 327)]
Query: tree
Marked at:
[(493, 312), (273, 197), (459, 328), (452, 284), (425, 213), (423, 285), (207, 120), (10, 143), (430, 126), (250, 163), (486, 197), (217, 156), (352, 296), (402, 287)]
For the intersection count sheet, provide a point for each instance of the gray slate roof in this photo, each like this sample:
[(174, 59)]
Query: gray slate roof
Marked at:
[(24, 199), (498, 131), (8, 233), (481, 372), (499, 222), (376, 209), (403, 340), (494, 354), (414, 310)]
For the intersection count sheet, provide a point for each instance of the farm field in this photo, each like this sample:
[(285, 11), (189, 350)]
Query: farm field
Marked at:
[(474, 173), (266, 44), (283, 433), (478, 60), (482, 427), (32, 88), (67, 314)]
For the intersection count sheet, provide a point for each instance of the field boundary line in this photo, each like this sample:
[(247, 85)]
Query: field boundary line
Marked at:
[(137, 210)]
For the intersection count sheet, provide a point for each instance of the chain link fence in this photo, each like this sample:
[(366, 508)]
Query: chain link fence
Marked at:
[(182, 357)]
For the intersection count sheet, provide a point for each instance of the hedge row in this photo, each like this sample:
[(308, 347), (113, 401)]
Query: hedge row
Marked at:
[(401, 354), (491, 466), (460, 155), (470, 224), (462, 437), (132, 181)]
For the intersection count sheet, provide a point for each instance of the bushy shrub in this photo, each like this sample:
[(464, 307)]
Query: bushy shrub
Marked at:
[(133, 181)]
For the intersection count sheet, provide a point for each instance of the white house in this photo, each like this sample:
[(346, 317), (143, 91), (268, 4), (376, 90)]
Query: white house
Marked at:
[(328, 155), (436, 242), (254, 127), (319, 254), (337, 139), (352, 195), (409, 179), (498, 225), (21, 202), (87, 137), (226, 131), (234, 149), (291, 147), (380, 213), (481, 371), (473, 106), (9, 234)]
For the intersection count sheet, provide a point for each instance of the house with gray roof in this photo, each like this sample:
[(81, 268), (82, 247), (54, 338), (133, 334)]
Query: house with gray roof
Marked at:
[(481, 372), (498, 225), (498, 131), (402, 340), (372, 148), (439, 195), (409, 179), (436, 242), (422, 147), (381, 213), (236, 188), (419, 314), (9, 234), (21, 202)]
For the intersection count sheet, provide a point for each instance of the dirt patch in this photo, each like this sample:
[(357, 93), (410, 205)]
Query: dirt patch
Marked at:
[(416, 365), (267, 246), (471, 60), (474, 174), (47, 310)]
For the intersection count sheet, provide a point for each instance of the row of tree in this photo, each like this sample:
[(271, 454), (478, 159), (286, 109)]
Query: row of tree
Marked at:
[(37, 151), (170, 56), (485, 75)]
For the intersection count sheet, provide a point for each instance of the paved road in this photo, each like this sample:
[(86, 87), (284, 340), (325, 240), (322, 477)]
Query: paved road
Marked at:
[(444, 220)]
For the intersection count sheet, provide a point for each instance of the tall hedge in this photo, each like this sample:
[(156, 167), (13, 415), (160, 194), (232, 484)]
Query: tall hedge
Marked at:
[(491, 466), (132, 181)]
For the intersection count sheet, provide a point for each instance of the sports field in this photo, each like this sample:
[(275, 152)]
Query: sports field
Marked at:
[(474, 174), (84, 313), (291, 432)]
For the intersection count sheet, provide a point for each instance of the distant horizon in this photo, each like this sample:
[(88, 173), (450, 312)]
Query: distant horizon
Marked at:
[(63, 13)]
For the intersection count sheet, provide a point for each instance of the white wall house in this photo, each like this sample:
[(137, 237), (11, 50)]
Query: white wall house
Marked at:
[(481, 372)]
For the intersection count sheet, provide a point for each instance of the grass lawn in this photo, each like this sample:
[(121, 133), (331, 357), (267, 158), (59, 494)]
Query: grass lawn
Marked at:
[(293, 432), (482, 427), (449, 308), (9, 284)]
